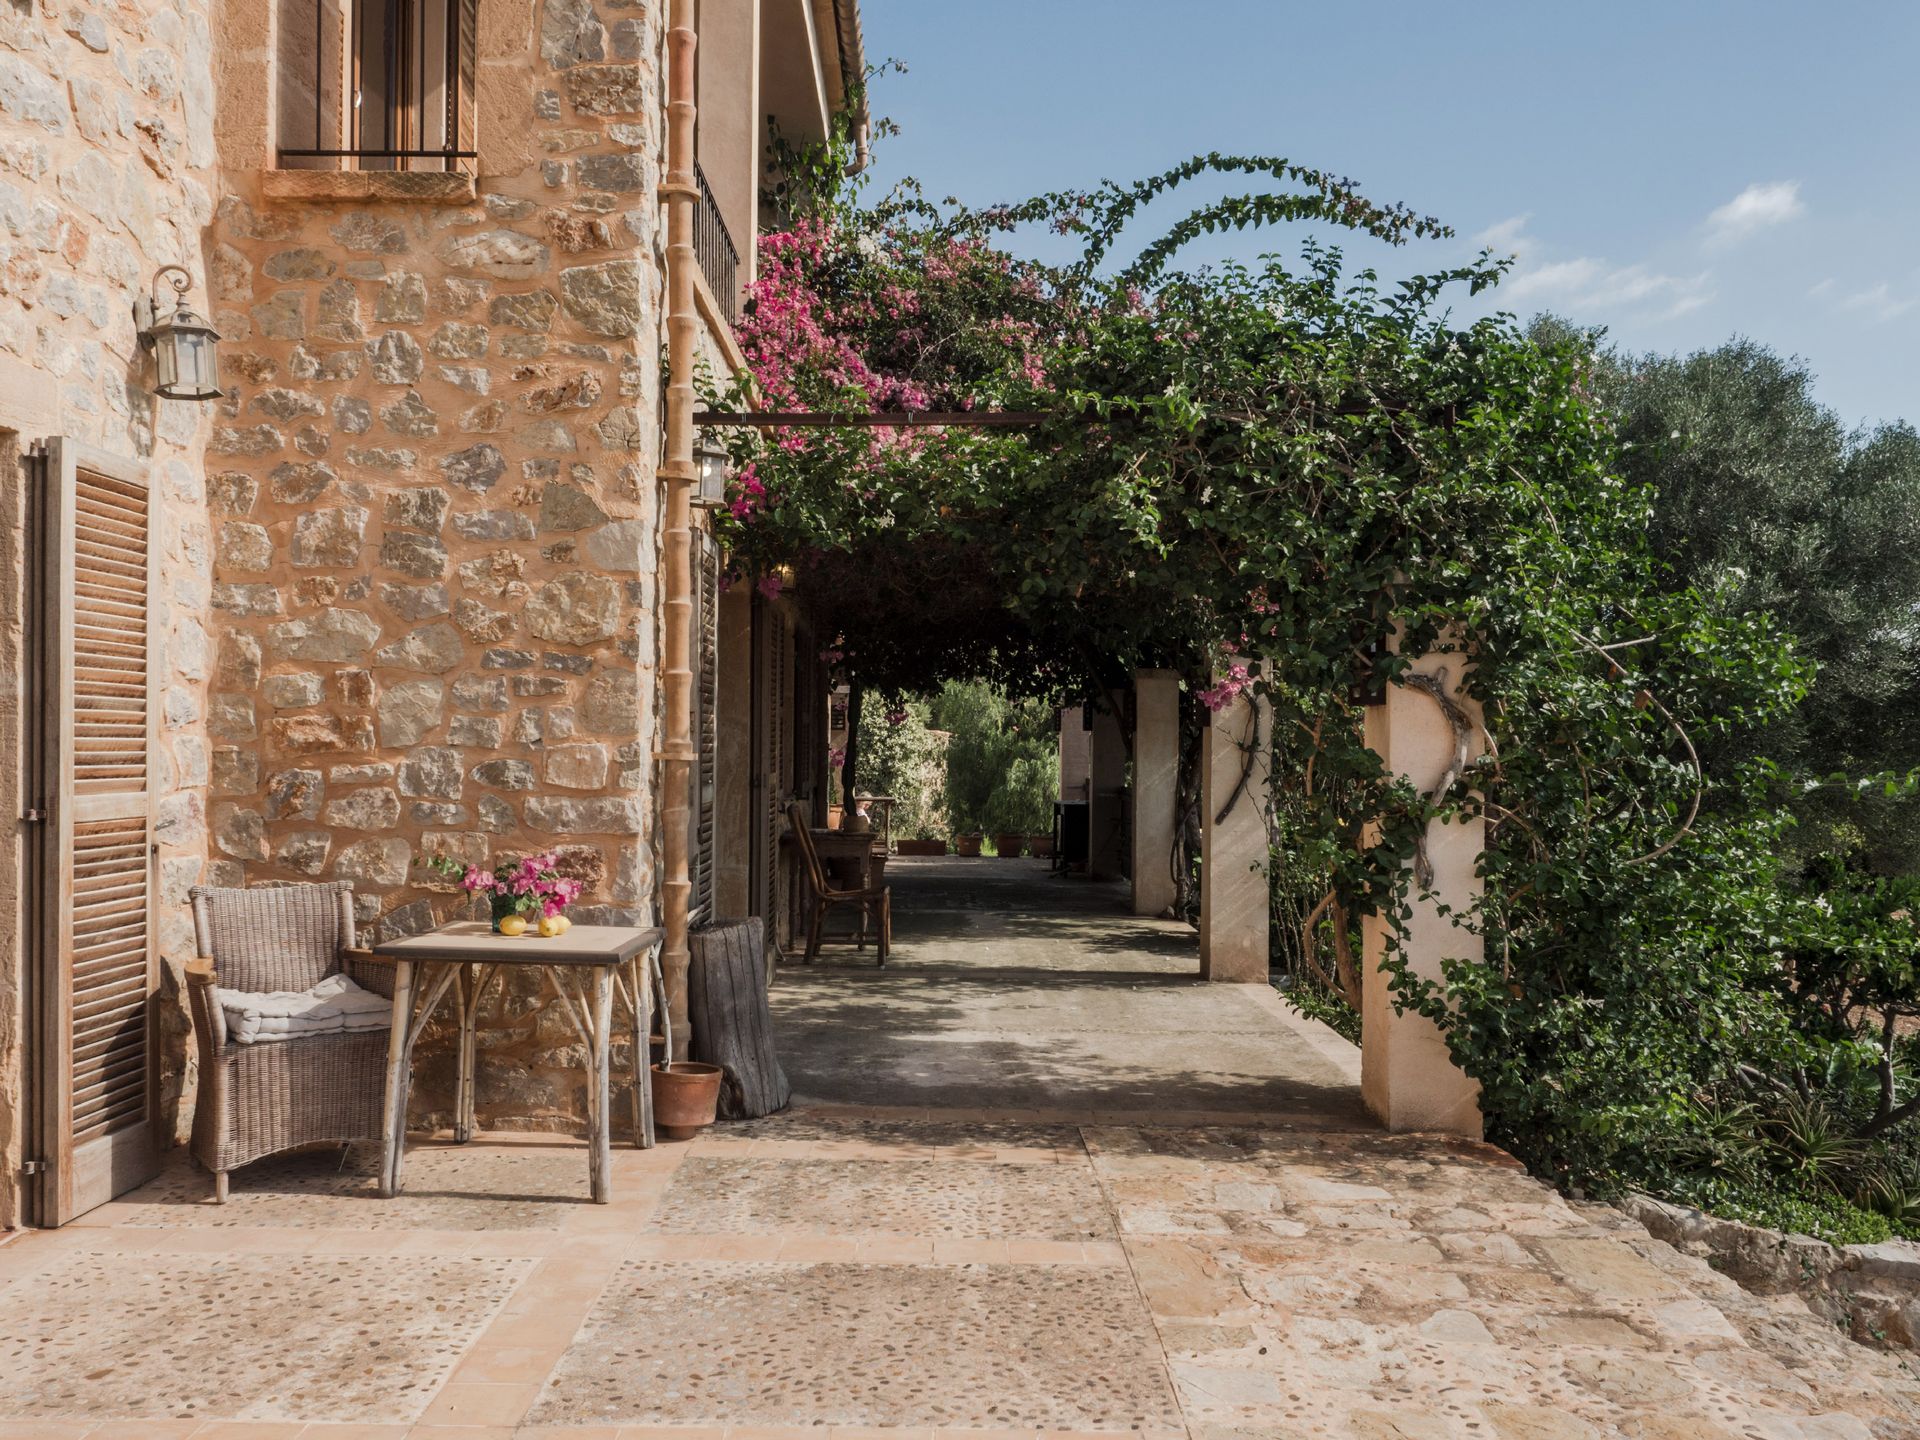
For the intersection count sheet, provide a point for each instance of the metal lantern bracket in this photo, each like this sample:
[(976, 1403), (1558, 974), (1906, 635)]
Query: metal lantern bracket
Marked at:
[(187, 337)]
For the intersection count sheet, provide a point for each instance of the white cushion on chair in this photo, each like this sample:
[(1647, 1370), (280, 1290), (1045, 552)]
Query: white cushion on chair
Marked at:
[(335, 1004)]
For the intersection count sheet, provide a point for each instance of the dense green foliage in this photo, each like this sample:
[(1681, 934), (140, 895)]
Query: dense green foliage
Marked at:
[(1766, 504), (902, 757), (1260, 476), (1002, 761)]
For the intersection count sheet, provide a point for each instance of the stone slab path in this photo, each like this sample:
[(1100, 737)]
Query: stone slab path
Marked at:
[(909, 1271), (1030, 994), (825, 1274)]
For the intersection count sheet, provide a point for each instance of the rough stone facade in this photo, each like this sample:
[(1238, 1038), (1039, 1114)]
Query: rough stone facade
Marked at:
[(435, 515), (409, 604), (107, 171)]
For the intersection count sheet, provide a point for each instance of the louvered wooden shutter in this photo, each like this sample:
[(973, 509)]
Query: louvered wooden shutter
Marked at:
[(776, 763), (706, 726), (465, 129), (96, 964)]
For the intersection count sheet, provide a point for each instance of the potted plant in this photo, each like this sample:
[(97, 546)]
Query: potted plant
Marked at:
[(921, 842), (1040, 846), (967, 845), (528, 894), (686, 1097)]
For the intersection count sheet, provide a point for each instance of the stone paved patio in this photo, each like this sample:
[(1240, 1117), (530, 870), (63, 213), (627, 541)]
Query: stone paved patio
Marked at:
[(907, 1274)]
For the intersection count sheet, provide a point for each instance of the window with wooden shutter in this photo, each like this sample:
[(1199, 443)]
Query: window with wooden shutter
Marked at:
[(94, 971), (706, 693)]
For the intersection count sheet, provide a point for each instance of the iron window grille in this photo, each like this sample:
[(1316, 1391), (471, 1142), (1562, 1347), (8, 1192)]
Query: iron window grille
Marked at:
[(377, 84)]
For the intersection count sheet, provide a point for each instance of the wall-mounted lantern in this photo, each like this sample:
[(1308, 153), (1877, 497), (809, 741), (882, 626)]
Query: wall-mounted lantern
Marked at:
[(186, 359), (711, 491)]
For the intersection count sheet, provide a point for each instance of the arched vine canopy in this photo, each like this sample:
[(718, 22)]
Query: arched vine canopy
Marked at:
[(1251, 474)]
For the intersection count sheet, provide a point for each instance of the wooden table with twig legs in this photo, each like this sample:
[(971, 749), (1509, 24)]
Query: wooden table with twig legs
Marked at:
[(590, 968)]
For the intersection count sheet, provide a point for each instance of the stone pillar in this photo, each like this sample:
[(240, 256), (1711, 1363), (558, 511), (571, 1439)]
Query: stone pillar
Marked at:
[(1234, 903), (1107, 798), (1407, 1077), (1156, 783), (1074, 760)]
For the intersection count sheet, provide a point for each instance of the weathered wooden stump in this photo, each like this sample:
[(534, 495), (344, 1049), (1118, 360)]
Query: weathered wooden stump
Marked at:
[(732, 1026)]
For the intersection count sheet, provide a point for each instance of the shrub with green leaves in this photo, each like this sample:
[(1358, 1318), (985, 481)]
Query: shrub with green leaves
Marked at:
[(1268, 472)]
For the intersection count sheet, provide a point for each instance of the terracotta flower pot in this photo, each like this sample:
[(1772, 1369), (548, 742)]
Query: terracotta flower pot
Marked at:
[(920, 847), (968, 845), (686, 1095), (1040, 846), (1008, 847)]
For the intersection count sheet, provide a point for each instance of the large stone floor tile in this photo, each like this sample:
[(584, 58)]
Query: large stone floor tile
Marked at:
[(244, 1337), (1003, 1347), (474, 1187), (943, 1199)]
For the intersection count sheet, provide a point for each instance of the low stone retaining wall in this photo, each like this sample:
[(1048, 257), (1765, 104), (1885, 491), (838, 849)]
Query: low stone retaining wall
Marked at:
[(1870, 1291)]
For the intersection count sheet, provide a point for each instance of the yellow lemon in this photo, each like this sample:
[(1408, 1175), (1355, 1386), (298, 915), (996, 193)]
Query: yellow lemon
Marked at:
[(552, 925), (563, 922), (513, 925)]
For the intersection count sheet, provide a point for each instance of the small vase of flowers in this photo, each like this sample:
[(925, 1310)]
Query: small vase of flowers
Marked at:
[(528, 893)]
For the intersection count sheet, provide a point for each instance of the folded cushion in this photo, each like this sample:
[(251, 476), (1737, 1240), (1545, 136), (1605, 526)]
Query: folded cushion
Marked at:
[(335, 1004)]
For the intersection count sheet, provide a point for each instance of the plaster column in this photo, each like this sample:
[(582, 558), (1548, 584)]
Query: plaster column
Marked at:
[(1107, 798), (1234, 900), (1407, 1077), (1156, 784)]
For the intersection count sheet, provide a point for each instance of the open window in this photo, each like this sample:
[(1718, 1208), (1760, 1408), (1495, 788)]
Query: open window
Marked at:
[(377, 84)]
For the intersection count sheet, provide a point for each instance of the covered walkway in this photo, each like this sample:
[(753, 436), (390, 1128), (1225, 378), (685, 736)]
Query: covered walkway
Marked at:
[(1192, 1238), (1016, 993)]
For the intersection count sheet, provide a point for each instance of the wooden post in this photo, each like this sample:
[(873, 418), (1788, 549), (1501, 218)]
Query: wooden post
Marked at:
[(467, 998), (599, 1096), (399, 1054)]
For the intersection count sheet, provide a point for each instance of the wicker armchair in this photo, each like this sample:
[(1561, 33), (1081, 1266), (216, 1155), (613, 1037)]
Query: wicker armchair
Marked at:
[(257, 1100)]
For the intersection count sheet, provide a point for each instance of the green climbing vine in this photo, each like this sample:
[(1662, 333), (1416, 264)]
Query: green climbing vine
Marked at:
[(1288, 477)]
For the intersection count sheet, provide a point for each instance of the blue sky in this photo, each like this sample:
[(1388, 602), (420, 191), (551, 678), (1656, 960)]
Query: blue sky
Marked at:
[(1679, 172)]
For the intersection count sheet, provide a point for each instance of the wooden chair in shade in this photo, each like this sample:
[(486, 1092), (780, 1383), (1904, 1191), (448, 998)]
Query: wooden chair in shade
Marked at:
[(874, 902)]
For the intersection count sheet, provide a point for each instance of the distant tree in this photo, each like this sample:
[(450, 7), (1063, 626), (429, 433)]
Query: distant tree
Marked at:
[(1765, 501), (1000, 760)]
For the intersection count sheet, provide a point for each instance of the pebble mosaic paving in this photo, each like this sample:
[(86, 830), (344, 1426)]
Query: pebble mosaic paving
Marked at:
[(1002, 1346), (955, 1199), (241, 1337), (447, 1187)]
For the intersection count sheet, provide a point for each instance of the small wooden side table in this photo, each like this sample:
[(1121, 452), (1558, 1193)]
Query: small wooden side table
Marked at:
[(588, 967)]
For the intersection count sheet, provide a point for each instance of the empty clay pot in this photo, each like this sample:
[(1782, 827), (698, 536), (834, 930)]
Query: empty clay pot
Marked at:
[(685, 1096)]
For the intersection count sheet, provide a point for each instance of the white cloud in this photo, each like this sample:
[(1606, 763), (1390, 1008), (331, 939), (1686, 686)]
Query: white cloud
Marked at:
[(1586, 283), (1878, 304), (1506, 237), (1758, 207)]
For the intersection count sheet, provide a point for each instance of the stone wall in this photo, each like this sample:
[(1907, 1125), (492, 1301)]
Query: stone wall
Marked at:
[(1870, 1291), (436, 520), (107, 171)]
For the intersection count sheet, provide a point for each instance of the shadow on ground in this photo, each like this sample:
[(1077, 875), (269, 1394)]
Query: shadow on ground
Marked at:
[(1013, 989)]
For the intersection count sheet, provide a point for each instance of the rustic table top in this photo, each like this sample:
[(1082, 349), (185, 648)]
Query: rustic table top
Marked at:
[(476, 941)]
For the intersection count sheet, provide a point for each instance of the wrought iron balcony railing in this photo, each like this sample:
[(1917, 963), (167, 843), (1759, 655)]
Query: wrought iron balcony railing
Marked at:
[(713, 246)]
